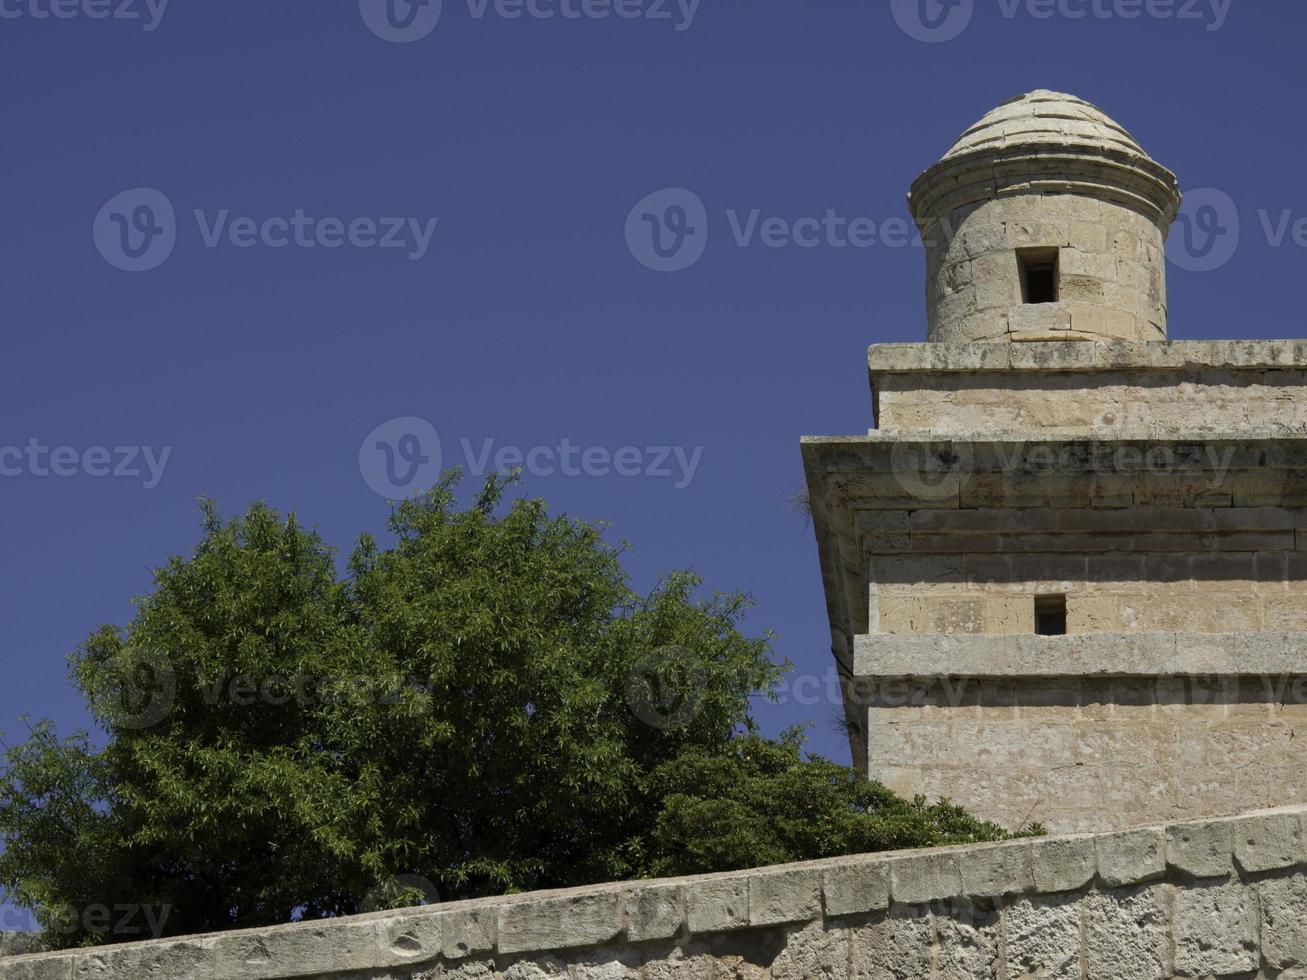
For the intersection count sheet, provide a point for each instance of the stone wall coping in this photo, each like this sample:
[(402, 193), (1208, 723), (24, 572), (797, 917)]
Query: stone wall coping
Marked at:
[(884, 655), (678, 908), (1167, 355)]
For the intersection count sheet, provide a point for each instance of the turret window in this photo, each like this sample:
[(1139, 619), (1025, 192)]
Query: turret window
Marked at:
[(1050, 615), (1038, 274)]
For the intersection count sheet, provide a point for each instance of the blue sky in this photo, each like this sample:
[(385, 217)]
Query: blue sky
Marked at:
[(439, 220)]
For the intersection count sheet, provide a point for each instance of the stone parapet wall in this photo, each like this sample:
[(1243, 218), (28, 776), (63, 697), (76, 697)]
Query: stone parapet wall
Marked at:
[(1217, 898)]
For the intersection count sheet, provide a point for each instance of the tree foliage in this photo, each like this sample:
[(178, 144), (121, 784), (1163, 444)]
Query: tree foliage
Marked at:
[(484, 705)]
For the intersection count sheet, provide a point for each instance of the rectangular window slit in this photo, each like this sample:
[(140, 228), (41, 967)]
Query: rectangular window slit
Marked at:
[(1050, 615), (1038, 274)]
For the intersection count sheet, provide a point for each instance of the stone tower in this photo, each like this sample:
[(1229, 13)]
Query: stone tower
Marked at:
[(1063, 572)]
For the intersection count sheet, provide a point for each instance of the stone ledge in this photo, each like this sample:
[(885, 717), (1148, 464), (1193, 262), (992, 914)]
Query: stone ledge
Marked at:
[(887, 655), (1080, 356), (877, 446), (1268, 841)]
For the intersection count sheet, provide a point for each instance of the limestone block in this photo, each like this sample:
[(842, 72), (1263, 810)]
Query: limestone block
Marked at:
[(1037, 233), (407, 937), (1268, 842), (1008, 615), (467, 932), (1038, 316), (1043, 937), (811, 953), (715, 905), (1088, 236), (1094, 265), (655, 912), (990, 293), (1127, 934), (562, 923), (1131, 857), (284, 951), (924, 877), (1215, 930), (855, 887), (1080, 289), (1285, 612), (1062, 864), (968, 941), (607, 964), (791, 895), (167, 961), (1092, 614), (979, 239), (40, 968), (1284, 921), (896, 946), (538, 968), (997, 870)]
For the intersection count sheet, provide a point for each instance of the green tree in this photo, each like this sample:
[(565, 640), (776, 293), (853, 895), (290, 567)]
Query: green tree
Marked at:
[(483, 706)]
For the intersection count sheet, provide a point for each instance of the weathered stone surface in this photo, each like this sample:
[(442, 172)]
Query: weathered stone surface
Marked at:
[(895, 946), (715, 905), (1215, 930), (813, 952), (1130, 857), (1062, 864), (580, 920), (409, 938), (655, 912), (924, 877), (1126, 934), (27, 967), (1267, 842), (1043, 937), (1284, 921), (790, 895), (854, 887), (1202, 848), (467, 932), (967, 938), (1001, 869)]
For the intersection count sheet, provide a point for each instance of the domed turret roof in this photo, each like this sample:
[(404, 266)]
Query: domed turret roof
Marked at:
[(1046, 143), (1043, 117)]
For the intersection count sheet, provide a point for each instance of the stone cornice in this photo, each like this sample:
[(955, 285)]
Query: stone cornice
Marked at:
[(1105, 173), (1148, 655), (1170, 355)]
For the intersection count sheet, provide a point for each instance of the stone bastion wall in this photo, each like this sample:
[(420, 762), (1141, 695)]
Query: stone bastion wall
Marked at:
[(1214, 898)]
